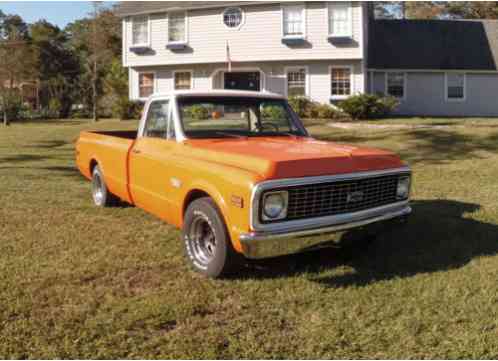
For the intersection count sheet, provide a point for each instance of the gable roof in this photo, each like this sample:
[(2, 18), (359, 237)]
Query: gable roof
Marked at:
[(433, 44), (127, 8)]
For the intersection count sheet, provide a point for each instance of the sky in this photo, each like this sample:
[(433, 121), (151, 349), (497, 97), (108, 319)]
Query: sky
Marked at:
[(57, 12)]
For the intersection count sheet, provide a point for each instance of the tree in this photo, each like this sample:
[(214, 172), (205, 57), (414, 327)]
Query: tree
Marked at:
[(96, 41), (409, 9), (58, 65), (18, 62), (472, 9)]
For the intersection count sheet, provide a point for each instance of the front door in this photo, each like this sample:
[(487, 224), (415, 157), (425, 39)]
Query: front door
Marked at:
[(243, 81)]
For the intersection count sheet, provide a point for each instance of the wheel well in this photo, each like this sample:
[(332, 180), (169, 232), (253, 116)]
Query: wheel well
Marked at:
[(192, 196), (93, 163)]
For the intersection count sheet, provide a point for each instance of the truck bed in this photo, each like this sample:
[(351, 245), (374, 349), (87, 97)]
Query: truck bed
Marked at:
[(125, 134), (110, 150)]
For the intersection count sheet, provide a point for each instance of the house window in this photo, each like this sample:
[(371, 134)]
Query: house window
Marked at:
[(183, 80), (145, 84), (232, 17), (293, 20), (395, 84), (140, 30), (340, 82), (177, 29), (296, 82), (455, 86), (340, 19)]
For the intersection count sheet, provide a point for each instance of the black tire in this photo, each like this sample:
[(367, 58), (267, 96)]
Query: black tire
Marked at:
[(202, 226), (102, 197)]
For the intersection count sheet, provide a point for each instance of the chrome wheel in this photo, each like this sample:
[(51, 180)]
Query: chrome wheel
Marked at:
[(203, 240), (97, 189)]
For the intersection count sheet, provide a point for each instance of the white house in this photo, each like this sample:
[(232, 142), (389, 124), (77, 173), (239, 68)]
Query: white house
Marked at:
[(323, 50)]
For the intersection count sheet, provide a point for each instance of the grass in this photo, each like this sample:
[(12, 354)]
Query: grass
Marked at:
[(82, 282)]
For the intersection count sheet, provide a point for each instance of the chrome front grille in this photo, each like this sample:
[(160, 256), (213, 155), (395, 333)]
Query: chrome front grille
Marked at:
[(327, 199)]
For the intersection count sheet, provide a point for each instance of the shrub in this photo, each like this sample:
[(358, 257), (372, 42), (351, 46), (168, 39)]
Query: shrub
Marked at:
[(273, 113), (368, 106), (125, 109), (13, 106), (300, 105), (198, 112), (325, 111), (55, 107)]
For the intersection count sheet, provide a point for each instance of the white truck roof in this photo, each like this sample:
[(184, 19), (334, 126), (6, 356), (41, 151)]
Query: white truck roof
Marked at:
[(219, 93)]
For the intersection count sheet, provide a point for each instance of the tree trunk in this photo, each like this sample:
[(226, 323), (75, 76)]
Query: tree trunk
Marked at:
[(6, 121), (94, 101)]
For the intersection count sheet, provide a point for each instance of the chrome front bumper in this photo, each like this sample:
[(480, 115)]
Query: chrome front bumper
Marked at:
[(268, 244)]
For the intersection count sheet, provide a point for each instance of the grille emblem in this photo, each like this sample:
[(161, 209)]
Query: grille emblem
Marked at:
[(354, 197)]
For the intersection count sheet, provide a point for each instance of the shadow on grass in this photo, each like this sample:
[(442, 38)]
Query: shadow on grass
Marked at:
[(53, 122), (49, 144), (19, 158), (437, 237), (430, 146)]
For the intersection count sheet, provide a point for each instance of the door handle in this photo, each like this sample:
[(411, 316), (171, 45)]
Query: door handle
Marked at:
[(136, 151)]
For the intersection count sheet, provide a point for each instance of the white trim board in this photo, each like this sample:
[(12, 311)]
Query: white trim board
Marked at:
[(307, 80), (455, 100), (405, 84), (138, 83), (351, 81), (174, 72)]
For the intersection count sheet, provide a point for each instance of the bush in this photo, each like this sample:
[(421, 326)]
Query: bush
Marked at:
[(325, 111), (125, 109), (301, 105), (13, 106), (198, 112), (273, 113), (55, 107), (368, 106)]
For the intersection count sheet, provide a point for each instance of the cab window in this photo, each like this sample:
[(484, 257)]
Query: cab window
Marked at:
[(157, 124)]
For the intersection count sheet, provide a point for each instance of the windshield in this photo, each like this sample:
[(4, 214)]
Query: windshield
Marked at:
[(215, 117)]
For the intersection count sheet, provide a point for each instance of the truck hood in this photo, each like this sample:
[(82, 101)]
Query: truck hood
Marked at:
[(291, 157)]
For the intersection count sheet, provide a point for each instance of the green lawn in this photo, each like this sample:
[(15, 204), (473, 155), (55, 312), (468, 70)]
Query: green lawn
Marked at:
[(82, 282)]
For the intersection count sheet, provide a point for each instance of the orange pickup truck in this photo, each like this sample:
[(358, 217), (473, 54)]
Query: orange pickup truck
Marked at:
[(239, 174)]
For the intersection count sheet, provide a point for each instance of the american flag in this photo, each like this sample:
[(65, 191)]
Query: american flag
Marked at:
[(229, 60)]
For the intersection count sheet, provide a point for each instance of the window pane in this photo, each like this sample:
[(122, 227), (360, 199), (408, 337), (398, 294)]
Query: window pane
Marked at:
[(140, 29), (456, 85), (146, 84), (176, 27), (232, 17), (183, 80), (396, 84), (293, 20), (341, 81), (156, 125), (339, 19), (296, 82)]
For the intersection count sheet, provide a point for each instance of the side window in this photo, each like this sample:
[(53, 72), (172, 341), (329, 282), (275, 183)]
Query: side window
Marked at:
[(157, 122)]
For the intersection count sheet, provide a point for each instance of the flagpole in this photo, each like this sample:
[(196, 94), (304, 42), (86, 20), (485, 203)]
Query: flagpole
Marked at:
[(229, 60)]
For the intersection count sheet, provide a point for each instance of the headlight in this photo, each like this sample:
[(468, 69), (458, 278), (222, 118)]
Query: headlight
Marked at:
[(275, 205), (403, 191)]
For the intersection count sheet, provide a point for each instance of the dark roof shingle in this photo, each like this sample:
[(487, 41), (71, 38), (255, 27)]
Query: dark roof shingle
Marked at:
[(433, 44)]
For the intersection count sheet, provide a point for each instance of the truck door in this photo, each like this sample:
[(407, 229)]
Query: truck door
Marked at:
[(150, 159)]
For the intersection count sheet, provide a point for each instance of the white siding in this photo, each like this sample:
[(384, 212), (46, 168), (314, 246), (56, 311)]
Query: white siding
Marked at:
[(426, 95), (259, 39), (206, 76)]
